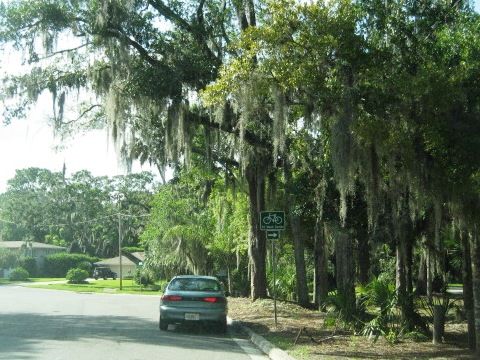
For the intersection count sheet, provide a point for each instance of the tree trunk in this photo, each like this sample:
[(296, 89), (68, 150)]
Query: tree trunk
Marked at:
[(400, 270), (257, 244), (344, 265), (298, 244), (421, 288), (438, 323), (468, 289), (429, 262), (408, 265), (300, 267), (403, 271), (363, 257), (475, 256), (321, 266)]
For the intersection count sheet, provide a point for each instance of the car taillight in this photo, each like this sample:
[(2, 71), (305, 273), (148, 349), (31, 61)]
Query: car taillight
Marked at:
[(171, 298), (214, 299)]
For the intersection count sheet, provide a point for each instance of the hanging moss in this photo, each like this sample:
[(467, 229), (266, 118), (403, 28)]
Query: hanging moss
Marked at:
[(279, 122)]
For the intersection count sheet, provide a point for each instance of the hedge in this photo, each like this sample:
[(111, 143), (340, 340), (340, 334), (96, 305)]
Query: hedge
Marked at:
[(57, 265)]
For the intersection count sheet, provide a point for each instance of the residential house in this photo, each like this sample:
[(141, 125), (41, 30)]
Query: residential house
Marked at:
[(129, 264), (36, 250)]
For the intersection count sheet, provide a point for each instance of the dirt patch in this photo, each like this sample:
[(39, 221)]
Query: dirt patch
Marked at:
[(302, 334)]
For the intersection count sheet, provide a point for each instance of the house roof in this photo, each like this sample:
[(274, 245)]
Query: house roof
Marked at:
[(116, 261), (35, 245), (139, 255)]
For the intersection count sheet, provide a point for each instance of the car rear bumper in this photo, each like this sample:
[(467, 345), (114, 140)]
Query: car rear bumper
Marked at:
[(177, 314)]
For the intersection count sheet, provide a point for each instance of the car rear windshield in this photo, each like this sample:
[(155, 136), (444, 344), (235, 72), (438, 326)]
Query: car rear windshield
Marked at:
[(194, 285)]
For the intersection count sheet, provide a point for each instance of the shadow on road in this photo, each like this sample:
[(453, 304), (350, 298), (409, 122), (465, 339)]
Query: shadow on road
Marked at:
[(23, 331)]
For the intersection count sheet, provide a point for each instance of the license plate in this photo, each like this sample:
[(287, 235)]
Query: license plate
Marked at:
[(192, 316)]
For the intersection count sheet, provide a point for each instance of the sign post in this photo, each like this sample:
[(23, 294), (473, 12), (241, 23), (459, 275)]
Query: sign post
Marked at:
[(272, 222)]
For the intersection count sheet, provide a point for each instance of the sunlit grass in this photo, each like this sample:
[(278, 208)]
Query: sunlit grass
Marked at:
[(32, 280), (103, 286)]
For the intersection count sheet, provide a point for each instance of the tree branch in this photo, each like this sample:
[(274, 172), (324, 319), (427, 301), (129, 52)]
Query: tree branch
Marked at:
[(249, 136)]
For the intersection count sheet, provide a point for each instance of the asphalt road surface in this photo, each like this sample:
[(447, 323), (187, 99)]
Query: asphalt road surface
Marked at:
[(61, 325)]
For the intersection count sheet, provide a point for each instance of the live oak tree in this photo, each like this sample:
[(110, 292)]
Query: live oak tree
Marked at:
[(393, 84), (377, 101), (137, 67)]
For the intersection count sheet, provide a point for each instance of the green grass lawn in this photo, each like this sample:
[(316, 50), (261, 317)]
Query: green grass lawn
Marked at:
[(103, 286), (32, 280)]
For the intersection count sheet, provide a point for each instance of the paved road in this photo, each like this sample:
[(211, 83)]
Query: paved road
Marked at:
[(60, 325)]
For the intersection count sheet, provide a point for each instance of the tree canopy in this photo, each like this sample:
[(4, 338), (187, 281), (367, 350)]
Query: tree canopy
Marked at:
[(359, 118)]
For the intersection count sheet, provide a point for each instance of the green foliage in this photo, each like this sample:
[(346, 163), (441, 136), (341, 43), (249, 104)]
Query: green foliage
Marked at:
[(76, 275), (57, 265), (143, 277), (180, 229), (285, 279), (381, 295), (342, 310), (78, 212), (29, 264), (85, 265), (19, 274), (7, 258)]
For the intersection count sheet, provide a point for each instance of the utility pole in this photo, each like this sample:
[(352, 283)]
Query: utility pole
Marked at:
[(120, 247)]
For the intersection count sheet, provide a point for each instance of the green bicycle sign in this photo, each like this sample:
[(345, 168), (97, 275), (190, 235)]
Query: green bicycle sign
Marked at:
[(272, 220)]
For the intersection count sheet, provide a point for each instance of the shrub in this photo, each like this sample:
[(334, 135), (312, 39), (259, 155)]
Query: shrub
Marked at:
[(19, 274), (57, 265), (76, 275), (143, 277), (85, 265), (29, 264)]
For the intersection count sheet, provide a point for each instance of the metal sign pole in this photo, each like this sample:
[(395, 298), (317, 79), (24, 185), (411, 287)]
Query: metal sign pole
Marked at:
[(272, 222), (274, 284)]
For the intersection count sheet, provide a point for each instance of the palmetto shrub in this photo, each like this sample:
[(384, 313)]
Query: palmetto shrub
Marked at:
[(341, 310), (381, 296)]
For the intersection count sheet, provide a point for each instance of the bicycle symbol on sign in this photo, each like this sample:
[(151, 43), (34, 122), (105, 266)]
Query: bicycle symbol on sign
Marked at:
[(272, 218)]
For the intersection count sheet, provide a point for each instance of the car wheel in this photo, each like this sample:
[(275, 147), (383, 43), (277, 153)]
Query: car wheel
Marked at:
[(104, 278), (163, 325), (114, 278), (95, 277)]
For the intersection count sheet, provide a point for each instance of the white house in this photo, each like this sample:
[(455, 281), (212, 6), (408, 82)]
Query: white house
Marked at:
[(128, 266), (33, 249)]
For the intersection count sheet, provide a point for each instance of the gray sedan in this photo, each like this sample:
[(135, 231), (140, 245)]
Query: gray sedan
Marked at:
[(193, 299)]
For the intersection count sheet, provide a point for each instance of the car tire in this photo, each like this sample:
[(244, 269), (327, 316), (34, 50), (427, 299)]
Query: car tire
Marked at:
[(104, 278), (163, 325), (95, 277), (114, 278)]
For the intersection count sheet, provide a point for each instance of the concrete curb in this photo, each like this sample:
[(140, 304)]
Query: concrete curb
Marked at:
[(264, 345)]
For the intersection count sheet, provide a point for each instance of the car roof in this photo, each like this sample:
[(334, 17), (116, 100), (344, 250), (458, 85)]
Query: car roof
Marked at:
[(195, 277)]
